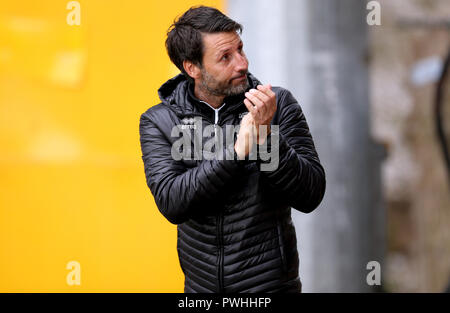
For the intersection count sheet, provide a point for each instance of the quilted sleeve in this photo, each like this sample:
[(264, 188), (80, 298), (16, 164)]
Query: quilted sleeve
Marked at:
[(298, 177)]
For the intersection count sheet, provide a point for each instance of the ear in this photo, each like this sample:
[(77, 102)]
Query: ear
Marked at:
[(192, 69)]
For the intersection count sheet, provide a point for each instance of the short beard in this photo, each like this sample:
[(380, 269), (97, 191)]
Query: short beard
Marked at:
[(212, 86)]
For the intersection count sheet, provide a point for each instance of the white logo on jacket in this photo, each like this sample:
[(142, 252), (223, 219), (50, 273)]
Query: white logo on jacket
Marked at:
[(188, 123)]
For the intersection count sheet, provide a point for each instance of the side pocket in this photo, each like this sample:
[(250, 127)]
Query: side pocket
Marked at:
[(281, 245)]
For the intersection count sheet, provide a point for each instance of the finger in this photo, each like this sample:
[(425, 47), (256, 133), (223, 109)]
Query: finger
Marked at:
[(270, 94), (255, 100), (267, 89), (268, 107), (255, 112), (261, 105), (258, 114), (260, 95), (250, 107)]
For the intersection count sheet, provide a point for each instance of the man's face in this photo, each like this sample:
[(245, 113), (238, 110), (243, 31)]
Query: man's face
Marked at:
[(224, 65)]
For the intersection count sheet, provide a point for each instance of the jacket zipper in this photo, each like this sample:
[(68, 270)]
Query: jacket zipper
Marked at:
[(216, 116), (219, 221), (220, 243), (216, 119)]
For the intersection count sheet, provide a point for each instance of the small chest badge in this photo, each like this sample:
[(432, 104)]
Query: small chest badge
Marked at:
[(188, 123)]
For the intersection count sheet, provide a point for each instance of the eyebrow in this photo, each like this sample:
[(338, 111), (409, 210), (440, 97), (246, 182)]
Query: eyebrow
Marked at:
[(227, 49)]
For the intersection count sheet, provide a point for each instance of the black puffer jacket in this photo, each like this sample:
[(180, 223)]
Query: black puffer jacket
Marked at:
[(235, 232)]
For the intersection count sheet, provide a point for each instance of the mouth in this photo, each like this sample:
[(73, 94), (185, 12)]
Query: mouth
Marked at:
[(240, 77)]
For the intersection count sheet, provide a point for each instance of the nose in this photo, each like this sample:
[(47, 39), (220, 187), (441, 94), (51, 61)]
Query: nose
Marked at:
[(241, 63)]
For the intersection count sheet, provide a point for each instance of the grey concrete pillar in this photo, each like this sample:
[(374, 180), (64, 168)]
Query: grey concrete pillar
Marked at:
[(318, 50)]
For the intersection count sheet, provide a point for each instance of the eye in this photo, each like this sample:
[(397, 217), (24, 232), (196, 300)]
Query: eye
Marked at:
[(225, 57)]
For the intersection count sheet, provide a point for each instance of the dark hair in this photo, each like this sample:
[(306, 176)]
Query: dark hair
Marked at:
[(184, 38)]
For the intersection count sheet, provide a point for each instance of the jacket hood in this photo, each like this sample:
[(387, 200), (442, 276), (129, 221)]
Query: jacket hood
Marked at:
[(178, 94)]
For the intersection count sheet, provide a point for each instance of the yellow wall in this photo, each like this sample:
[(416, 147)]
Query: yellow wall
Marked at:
[(71, 176)]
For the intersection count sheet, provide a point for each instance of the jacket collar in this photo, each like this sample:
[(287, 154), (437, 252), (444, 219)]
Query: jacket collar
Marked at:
[(178, 94)]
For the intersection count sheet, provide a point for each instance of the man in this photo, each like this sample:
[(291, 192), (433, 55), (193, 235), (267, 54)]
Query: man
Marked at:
[(235, 232)]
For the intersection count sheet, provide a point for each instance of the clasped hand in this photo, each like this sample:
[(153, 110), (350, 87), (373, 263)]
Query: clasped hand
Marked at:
[(255, 126)]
